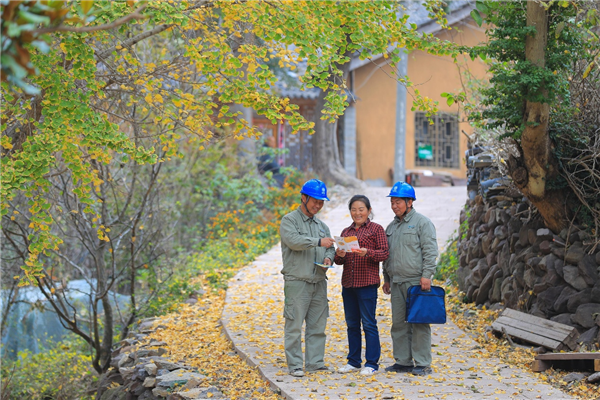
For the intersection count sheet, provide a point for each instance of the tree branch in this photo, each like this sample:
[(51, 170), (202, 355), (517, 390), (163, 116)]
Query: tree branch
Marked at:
[(63, 28), (137, 38)]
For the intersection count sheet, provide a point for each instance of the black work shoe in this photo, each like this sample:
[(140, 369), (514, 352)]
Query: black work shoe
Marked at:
[(399, 368), (421, 371)]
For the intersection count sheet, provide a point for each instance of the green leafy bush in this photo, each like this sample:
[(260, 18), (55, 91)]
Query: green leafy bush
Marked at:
[(60, 372), (448, 262), (234, 238)]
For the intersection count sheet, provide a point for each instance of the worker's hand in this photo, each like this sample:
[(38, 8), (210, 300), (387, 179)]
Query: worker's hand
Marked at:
[(340, 253), (362, 252), (327, 242), (386, 288), (326, 261), (425, 284)]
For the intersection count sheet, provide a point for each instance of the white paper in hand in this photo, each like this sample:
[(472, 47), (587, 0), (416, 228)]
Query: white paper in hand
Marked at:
[(349, 243)]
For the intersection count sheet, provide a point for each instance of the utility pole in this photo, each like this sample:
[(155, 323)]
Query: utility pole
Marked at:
[(400, 147)]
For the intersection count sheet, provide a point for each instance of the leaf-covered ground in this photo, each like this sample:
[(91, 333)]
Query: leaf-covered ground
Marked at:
[(476, 322), (462, 368), (195, 336)]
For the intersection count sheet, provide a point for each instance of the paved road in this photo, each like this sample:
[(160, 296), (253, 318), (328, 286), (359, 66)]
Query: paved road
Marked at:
[(253, 320)]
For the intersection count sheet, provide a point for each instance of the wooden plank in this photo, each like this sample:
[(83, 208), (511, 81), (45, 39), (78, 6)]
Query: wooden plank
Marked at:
[(536, 330), (533, 320), (540, 365), (568, 356), (505, 321), (528, 336), (540, 330), (537, 321), (571, 340), (569, 364), (518, 330)]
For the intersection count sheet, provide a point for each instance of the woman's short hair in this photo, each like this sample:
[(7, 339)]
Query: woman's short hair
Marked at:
[(362, 198)]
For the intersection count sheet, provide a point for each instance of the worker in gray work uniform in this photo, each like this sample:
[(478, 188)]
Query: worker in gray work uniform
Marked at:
[(412, 261), (306, 242)]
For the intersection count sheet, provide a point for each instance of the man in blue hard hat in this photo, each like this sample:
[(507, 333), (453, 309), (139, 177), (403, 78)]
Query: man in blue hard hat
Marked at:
[(412, 261), (305, 243)]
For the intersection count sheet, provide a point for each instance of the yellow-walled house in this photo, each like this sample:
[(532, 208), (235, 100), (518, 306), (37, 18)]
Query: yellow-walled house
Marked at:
[(379, 113)]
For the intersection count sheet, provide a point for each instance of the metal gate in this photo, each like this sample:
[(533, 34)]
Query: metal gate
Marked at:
[(436, 145), (299, 145)]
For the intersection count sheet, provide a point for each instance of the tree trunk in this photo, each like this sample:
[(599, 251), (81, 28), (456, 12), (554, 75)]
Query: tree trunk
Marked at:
[(325, 150), (246, 146), (535, 166)]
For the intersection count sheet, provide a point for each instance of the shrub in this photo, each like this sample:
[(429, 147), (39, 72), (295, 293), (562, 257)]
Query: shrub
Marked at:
[(60, 372), (235, 238), (448, 262)]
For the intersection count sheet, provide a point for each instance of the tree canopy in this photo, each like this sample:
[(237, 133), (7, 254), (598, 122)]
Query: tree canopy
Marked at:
[(542, 98), (101, 100), (122, 80)]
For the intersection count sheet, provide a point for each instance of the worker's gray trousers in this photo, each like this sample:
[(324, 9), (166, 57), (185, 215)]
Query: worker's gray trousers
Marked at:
[(410, 341), (308, 302)]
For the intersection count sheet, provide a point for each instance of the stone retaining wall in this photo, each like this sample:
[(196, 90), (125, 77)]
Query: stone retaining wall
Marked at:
[(141, 369), (508, 256)]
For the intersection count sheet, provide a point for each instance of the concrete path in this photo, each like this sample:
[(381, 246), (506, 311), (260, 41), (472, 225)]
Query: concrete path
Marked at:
[(253, 320)]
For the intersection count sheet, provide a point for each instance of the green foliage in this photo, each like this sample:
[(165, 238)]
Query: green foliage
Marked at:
[(236, 237), (567, 79), (452, 98), (463, 229), (123, 95), (101, 98), (514, 79), (60, 372), (20, 19), (448, 262)]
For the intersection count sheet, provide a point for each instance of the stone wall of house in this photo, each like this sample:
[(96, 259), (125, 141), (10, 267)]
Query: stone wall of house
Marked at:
[(508, 257)]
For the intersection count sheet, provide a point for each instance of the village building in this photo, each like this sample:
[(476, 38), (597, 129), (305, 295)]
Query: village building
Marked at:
[(437, 148), (380, 111)]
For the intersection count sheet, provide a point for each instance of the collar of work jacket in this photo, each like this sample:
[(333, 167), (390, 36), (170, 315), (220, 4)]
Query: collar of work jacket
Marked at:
[(407, 217), (305, 217)]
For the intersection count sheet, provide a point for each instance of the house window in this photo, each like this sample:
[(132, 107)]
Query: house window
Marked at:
[(436, 145)]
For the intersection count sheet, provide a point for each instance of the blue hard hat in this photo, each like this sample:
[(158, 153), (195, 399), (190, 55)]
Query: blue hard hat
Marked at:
[(315, 189), (402, 189)]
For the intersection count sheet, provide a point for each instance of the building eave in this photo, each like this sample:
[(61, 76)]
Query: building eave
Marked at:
[(428, 27)]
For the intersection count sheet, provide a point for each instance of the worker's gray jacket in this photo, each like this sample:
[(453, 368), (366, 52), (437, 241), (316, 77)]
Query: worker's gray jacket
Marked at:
[(413, 249), (300, 247)]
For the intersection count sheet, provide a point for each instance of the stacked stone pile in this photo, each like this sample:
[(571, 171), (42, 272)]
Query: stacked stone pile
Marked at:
[(508, 256), (142, 370)]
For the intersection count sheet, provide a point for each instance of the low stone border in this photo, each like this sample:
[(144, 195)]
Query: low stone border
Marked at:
[(143, 371)]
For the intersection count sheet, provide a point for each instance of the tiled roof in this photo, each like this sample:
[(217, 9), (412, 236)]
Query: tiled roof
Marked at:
[(458, 11), (296, 92)]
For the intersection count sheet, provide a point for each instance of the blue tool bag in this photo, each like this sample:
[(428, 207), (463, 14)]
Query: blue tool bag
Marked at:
[(426, 307)]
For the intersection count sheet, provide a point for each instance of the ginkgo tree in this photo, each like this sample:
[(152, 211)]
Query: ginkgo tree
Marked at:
[(544, 98), (98, 95)]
